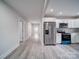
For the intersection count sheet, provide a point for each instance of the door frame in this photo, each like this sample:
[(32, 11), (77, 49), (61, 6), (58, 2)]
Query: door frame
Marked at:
[(32, 27)]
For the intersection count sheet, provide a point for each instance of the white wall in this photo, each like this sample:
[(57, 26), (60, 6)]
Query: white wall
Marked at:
[(9, 38)]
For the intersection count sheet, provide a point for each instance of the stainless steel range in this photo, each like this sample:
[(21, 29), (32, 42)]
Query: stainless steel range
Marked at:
[(66, 38)]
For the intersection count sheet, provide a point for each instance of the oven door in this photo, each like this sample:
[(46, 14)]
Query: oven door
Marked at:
[(66, 38)]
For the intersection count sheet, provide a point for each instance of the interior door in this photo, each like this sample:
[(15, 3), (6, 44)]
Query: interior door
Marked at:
[(49, 33)]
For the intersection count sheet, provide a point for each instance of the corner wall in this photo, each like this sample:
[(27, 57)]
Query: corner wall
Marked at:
[(9, 38)]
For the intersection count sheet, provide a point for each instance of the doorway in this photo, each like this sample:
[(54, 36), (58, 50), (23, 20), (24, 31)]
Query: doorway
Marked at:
[(35, 31)]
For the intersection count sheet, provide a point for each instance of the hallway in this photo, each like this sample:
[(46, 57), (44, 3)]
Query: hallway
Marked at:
[(34, 50), (25, 25)]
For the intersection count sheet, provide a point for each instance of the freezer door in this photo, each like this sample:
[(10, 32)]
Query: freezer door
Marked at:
[(50, 33)]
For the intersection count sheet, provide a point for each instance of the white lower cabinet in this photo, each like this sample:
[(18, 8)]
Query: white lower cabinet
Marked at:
[(74, 37), (58, 37)]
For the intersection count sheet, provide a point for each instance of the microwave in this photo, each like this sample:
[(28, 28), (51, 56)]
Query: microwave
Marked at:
[(63, 25)]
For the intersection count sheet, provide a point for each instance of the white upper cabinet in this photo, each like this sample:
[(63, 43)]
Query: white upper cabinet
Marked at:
[(58, 22), (70, 23), (73, 23)]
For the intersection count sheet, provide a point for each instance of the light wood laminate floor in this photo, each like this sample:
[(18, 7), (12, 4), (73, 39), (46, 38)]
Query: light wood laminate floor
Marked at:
[(32, 49)]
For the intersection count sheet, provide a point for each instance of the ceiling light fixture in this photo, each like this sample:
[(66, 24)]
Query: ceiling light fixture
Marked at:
[(51, 10), (78, 13), (60, 13)]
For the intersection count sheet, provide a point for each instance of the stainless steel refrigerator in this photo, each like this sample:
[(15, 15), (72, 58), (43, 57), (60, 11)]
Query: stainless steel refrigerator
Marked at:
[(49, 33)]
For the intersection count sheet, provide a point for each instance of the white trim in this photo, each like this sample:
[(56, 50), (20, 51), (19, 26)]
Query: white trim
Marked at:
[(8, 52)]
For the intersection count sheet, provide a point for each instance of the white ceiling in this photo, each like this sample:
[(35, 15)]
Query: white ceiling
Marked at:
[(67, 7), (27, 8), (33, 8)]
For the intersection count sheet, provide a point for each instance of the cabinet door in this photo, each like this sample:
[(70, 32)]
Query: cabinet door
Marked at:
[(58, 22), (75, 38), (58, 38), (70, 23), (73, 23)]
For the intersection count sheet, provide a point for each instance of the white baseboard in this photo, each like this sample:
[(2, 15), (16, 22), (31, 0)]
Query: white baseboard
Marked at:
[(8, 52)]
